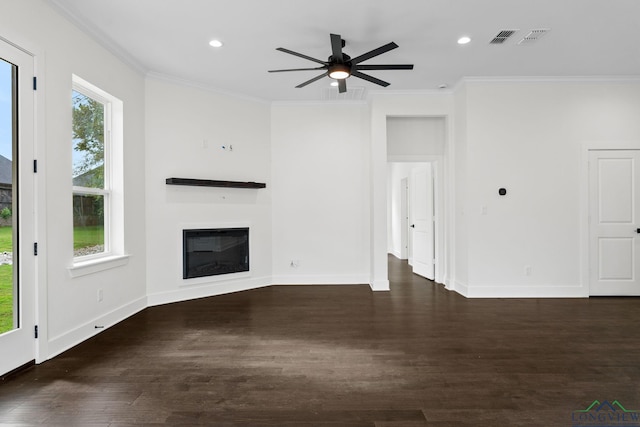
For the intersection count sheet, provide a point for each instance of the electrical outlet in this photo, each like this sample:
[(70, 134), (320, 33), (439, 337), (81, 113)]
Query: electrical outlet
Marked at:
[(527, 270), (100, 295), (295, 263)]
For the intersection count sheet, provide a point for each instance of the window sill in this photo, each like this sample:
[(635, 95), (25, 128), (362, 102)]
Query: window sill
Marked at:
[(97, 265)]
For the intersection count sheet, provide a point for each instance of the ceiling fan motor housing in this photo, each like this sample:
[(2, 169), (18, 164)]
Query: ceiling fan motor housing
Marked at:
[(339, 68), (339, 71)]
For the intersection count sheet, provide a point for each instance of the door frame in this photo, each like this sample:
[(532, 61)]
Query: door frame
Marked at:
[(39, 188), (437, 170), (405, 250), (585, 232)]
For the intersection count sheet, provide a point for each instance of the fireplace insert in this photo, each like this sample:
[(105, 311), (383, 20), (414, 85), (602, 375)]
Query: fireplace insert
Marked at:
[(211, 252)]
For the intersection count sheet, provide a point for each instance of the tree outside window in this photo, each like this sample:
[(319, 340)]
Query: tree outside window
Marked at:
[(90, 188)]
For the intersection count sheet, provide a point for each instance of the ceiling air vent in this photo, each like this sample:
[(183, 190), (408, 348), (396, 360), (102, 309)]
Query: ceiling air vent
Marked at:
[(502, 36), (355, 93), (534, 35)]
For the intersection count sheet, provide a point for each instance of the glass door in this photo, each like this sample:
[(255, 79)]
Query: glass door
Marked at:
[(9, 295), (17, 275)]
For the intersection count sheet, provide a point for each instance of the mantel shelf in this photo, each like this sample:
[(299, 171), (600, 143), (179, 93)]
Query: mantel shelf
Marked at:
[(214, 183)]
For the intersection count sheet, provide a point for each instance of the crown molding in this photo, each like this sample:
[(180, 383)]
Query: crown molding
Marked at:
[(201, 86), (321, 102), (422, 92), (550, 79), (101, 38)]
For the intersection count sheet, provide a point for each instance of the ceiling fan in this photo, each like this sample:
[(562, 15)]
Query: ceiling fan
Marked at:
[(339, 66)]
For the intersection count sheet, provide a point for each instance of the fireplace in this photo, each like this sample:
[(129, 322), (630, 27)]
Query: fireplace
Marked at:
[(211, 252)]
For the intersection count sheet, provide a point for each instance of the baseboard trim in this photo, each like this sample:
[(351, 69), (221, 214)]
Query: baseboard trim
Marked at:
[(207, 290), (380, 285), (314, 279), (67, 340), (525, 292), (460, 288), (447, 283)]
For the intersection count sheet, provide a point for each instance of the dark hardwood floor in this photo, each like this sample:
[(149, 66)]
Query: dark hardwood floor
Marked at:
[(342, 356)]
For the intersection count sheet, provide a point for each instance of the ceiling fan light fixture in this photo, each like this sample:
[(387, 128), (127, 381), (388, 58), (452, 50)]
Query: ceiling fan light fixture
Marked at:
[(339, 71)]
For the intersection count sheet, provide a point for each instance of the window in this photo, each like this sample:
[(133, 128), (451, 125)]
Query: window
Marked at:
[(96, 173)]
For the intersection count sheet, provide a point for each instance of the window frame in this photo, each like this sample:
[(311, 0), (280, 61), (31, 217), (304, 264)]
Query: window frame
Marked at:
[(112, 189)]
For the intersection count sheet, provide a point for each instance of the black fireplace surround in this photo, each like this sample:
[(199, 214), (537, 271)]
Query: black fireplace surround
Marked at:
[(211, 252)]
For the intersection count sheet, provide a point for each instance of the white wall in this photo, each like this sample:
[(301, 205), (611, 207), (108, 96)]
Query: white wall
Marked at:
[(69, 309), (415, 136), (527, 137), (320, 193), (186, 129)]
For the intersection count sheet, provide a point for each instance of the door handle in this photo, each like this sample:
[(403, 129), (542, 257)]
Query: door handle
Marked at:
[(414, 226), (637, 230)]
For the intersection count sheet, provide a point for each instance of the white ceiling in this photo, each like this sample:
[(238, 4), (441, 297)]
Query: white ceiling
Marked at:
[(588, 38)]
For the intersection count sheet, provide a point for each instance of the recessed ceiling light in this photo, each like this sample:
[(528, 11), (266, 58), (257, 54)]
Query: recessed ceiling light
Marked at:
[(464, 40), (215, 43)]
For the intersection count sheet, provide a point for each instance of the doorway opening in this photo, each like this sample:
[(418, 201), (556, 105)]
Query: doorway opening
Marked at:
[(415, 157), (414, 227)]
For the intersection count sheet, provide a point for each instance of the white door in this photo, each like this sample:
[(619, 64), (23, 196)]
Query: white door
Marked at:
[(17, 262), (422, 225), (614, 222)]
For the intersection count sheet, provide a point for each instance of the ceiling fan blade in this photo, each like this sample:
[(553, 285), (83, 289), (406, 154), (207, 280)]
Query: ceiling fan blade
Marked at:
[(290, 52), (336, 47), (385, 67), (375, 52), (312, 80), (342, 85), (298, 69), (369, 78)]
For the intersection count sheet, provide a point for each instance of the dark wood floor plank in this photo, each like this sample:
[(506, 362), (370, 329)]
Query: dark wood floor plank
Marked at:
[(341, 356)]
